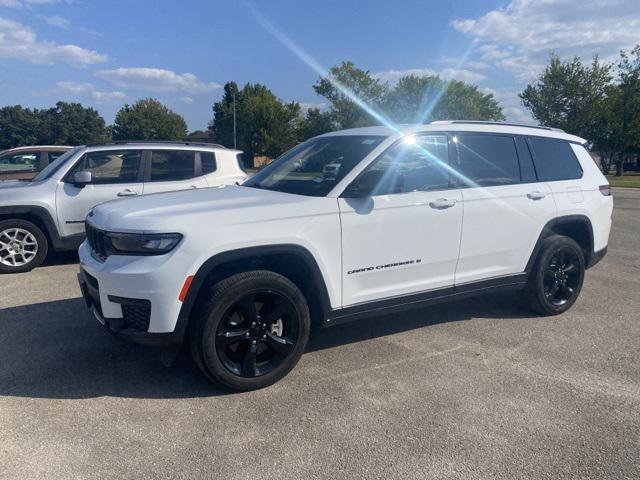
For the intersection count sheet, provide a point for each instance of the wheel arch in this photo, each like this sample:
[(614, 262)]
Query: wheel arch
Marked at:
[(576, 227), (37, 215), (292, 261)]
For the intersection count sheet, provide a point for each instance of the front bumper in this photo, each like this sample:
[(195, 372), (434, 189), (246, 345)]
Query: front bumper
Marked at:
[(134, 297)]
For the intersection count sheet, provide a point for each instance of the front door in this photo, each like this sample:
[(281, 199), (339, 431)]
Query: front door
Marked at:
[(115, 174), (404, 237)]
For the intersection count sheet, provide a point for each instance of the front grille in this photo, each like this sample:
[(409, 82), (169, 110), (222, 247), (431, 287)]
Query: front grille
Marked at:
[(136, 317), (97, 241)]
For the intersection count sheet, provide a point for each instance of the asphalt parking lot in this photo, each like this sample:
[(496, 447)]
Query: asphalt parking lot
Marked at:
[(477, 389)]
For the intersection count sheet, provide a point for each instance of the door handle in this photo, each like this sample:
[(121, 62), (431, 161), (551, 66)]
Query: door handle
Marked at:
[(127, 193), (535, 195), (442, 203)]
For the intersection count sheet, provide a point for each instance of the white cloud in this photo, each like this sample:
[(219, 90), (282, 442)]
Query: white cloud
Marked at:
[(58, 21), (511, 105), (24, 3), (520, 37), (157, 80), (187, 100), (392, 76), (20, 42), (90, 90), (304, 106)]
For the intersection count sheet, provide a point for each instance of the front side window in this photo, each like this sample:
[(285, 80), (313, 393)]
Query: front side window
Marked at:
[(554, 160), (416, 163), (172, 165), (23, 162), (486, 160), (314, 167), (111, 166)]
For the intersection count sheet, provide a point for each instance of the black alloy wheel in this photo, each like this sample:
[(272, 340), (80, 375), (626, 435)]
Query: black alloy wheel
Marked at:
[(257, 333), (562, 277)]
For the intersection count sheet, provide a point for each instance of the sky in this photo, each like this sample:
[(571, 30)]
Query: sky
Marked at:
[(107, 53)]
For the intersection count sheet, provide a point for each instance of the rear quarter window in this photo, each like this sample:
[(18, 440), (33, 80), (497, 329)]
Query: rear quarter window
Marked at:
[(208, 160), (554, 160)]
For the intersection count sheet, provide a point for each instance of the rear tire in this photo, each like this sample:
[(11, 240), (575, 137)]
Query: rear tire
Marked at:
[(23, 246), (250, 330), (557, 276)]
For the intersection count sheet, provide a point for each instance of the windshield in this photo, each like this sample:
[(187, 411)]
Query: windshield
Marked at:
[(53, 167), (314, 167)]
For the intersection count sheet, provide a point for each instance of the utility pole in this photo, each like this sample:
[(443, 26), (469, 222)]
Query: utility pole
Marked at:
[(234, 121)]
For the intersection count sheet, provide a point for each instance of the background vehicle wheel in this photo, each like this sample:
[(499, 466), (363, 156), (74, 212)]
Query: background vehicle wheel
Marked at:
[(250, 330), (23, 246), (556, 279)]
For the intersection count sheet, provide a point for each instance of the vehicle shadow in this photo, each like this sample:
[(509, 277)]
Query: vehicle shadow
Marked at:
[(57, 350), (61, 258)]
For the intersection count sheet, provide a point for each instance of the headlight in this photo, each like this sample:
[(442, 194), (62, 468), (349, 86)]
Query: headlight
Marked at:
[(143, 244)]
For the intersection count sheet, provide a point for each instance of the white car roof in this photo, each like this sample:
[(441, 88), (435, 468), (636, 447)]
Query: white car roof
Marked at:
[(461, 126), (38, 147)]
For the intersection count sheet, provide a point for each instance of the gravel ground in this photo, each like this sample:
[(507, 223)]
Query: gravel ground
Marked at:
[(476, 389)]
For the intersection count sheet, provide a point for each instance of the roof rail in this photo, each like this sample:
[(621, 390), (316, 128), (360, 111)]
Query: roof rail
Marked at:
[(167, 142), (480, 122)]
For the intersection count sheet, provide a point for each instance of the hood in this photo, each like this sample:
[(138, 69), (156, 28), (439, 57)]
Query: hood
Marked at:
[(178, 211), (13, 184)]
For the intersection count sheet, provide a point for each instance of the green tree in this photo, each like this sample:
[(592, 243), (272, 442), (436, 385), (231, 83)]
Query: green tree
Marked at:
[(345, 112), (265, 125), (624, 109), (148, 119), (571, 96), (18, 127), (315, 123), (422, 99), (71, 124)]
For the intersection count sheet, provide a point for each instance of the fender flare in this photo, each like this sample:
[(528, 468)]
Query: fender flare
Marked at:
[(248, 253), (43, 215), (548, 230)]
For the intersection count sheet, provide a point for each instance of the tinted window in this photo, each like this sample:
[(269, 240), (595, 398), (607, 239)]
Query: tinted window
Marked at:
[(240, 160), (417, 163), (554, 160), (314, 167), (171, 165), (487, 160), (527, 171), (208, 160), (24, 161), (111, 166)]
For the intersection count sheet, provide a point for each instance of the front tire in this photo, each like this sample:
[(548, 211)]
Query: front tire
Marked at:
[(557, 276), (23, 246), (250, 330)]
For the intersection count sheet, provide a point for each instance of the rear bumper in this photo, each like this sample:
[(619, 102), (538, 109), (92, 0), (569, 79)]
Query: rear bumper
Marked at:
[(119, 326), (596, 257)]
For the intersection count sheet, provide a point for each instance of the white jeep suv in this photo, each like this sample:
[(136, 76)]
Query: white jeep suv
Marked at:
[(48, 211), (414, 216)]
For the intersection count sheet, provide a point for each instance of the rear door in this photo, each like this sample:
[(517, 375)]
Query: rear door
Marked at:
[(115, 174), (169, 170), (505, 208)]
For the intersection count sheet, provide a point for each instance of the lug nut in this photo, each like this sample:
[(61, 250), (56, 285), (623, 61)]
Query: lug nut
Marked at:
[(253, 342), (246, 334), (253, 324), (264, 336)]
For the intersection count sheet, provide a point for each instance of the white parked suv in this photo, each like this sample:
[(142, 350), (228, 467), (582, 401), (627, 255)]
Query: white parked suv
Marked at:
[(48, 211), (413, 216)]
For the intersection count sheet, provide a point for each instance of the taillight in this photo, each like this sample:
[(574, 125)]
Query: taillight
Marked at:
[(605, 190)]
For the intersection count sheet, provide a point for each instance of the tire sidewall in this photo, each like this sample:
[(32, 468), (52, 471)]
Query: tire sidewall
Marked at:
[(550, 248), (211, 361), (43, 245)]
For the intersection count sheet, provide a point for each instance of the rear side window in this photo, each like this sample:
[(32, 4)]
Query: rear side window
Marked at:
[(172, 165), (18, 162), (208, 160), (240, 160), (554, 160), (486, 160)]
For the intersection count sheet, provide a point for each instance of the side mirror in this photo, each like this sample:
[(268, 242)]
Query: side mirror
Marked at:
[(81, 179)]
